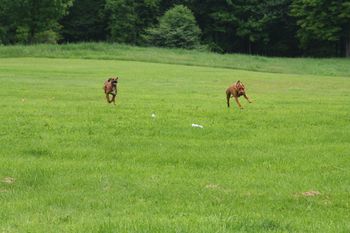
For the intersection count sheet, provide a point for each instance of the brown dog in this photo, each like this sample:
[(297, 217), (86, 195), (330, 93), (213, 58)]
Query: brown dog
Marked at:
[(110, 88), (236, 90)]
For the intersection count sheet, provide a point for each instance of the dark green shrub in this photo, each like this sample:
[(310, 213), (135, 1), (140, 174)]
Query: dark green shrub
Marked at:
[(177, 29), (46, 37)]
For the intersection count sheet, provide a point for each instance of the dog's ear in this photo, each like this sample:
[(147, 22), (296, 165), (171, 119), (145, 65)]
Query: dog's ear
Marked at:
[(240, 85)]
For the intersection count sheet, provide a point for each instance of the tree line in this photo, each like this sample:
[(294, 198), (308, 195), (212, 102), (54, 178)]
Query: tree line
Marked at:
[(264, 27)]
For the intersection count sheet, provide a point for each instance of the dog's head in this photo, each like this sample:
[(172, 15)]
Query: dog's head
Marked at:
[(113, 81), (240, 87)]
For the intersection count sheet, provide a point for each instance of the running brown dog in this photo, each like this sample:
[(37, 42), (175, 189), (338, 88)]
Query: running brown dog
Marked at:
[(110, 88), (236, 90)]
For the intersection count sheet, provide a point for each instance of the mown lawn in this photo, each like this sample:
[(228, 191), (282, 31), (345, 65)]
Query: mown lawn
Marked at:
[(70, 162)]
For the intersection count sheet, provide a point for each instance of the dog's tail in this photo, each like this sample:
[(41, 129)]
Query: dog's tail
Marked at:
[(228, 96)]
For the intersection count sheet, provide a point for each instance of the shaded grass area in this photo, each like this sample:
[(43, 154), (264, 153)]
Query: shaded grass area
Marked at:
[(104, 51), (82, 165)]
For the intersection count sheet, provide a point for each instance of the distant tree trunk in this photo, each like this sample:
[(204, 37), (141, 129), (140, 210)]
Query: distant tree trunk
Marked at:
[(33, 22), (249, 47), (347, 47)]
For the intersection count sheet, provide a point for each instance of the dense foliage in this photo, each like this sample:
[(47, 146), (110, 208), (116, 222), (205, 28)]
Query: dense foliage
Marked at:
[(177, 28), (323, 21), (268, 27), (31, 21)]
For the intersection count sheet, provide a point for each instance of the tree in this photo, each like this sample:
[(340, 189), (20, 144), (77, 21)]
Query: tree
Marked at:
[(344, 18), (30, 21), (258, 23), (128, 19), (281, 30), (216, 20), (177, 28), (7, 21), (252, 26), (85, 21), (2, 24), (323, 22)]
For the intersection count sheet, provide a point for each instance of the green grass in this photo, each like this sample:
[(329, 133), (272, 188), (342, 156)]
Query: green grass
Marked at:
[(326, 66), (81, 165)]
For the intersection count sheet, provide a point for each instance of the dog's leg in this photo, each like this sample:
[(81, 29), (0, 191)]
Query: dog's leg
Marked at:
[(228, 95), (246, 97), (107, 97), (113, 98), (239, 105)]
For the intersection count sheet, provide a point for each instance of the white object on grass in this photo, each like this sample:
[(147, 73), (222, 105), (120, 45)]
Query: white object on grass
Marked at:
[(153, 115), (197, 126)]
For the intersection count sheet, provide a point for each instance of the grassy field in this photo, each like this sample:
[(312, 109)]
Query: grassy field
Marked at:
[(70, 162)]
